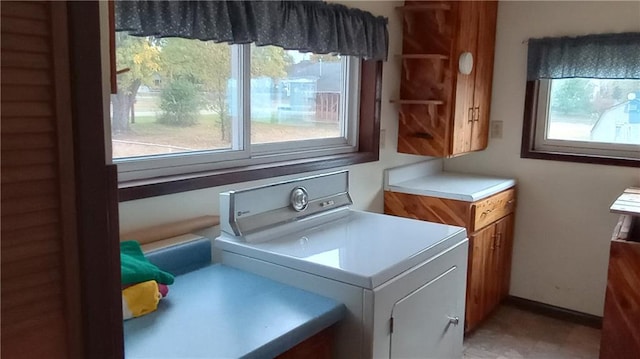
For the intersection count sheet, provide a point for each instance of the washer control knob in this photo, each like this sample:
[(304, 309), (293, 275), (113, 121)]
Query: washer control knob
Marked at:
[(299, 199)]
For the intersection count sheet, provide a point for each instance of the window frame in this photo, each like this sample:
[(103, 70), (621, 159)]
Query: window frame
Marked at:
[(534, 107), (247, 153), (367, 150)]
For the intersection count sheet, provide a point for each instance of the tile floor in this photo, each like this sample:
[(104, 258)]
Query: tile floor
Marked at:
[(512, 333)]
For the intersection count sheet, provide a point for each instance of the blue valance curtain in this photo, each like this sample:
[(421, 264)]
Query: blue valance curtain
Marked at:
[(607, 56), (312, 26)]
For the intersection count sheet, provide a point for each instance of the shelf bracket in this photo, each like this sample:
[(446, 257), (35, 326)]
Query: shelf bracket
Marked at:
[(407, 74), (433, 113)]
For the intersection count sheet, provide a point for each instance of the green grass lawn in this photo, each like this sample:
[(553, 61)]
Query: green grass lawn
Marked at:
[(148, 125), (206, 134)]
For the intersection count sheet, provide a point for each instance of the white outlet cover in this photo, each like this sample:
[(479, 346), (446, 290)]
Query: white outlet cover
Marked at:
[(496, 129)]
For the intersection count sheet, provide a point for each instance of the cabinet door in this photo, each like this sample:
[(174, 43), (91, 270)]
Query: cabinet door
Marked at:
[(421, 322), (504, 248), (479, 276), (463, 111), (483, 58)]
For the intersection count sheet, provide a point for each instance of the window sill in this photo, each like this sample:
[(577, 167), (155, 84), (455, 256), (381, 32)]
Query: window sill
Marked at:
[(138, 189), (580, 158)]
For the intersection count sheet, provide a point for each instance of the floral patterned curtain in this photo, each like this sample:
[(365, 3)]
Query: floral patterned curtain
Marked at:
[(605, 56), (312, 26)]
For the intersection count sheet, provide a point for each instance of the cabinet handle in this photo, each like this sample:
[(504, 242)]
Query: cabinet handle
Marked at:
[(423, 135), (476, 113), (484, 213), (493, 242), (454, 320), (498, 240), (470, 114)]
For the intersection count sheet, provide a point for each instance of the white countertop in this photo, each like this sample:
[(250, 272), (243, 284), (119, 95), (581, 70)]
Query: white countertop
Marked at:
[(428, 179)]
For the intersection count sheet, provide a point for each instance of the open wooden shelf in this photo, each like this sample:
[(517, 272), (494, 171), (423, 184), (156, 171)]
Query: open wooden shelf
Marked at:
[(423, 56), (425, 7), (416, 102)]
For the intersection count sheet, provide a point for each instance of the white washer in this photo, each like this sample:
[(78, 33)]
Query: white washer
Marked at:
[(403, 281)]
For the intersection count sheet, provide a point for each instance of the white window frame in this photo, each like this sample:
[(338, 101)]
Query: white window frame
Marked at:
[(572, 147), (242, 152)]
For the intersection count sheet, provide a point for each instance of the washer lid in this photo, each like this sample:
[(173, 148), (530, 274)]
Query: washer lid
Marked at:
[(364, 249)]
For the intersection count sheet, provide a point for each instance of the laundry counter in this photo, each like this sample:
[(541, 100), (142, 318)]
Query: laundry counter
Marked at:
[(221, 312)]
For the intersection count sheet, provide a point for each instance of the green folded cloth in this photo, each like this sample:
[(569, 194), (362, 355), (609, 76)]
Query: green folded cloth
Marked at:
[(136, 268)]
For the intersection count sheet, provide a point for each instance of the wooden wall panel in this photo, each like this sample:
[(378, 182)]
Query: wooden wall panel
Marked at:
[(36, 222), (423, 129)]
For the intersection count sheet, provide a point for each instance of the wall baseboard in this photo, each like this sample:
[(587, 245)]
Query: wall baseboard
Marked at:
[(549, 310)]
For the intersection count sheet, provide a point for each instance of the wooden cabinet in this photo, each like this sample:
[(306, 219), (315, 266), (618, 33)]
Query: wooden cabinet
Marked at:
[(621, 318), (489, 223), (442, 111), (489, 270), (318, 346)]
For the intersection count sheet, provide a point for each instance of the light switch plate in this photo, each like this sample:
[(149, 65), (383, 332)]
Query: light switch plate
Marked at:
[(383, 134), (496, 129)]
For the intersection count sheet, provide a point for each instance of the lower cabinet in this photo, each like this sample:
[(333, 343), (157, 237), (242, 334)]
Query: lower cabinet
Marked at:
[(489, 223), (319, 346), (621, 317), (489, 270)]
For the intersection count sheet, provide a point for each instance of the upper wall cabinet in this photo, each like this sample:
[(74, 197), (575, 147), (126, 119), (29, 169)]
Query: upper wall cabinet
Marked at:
[(447, 69)]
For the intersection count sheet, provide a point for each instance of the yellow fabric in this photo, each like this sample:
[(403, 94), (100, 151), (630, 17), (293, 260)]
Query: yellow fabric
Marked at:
[(142, 298)]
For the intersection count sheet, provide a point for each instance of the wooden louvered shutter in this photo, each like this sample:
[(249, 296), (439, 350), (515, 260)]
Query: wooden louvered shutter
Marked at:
[(40, 280)]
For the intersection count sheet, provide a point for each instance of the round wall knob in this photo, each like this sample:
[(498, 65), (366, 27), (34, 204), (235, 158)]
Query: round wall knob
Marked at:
[(299, 199), (465, 63)]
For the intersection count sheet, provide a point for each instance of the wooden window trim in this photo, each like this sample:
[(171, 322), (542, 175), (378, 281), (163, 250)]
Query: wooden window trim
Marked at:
[(112, 47), (368, 151), (528, 150), (95, 186)]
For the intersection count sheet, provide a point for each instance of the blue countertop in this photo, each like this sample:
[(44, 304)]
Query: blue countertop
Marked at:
[(222, 312)]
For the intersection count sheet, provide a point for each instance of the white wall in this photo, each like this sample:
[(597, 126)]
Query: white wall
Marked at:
[(365, 179), (563, 223)]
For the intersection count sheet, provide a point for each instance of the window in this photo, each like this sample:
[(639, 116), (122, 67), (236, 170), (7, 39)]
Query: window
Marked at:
[(188, 105), (589, 116), (583, 100), (208, 95)]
